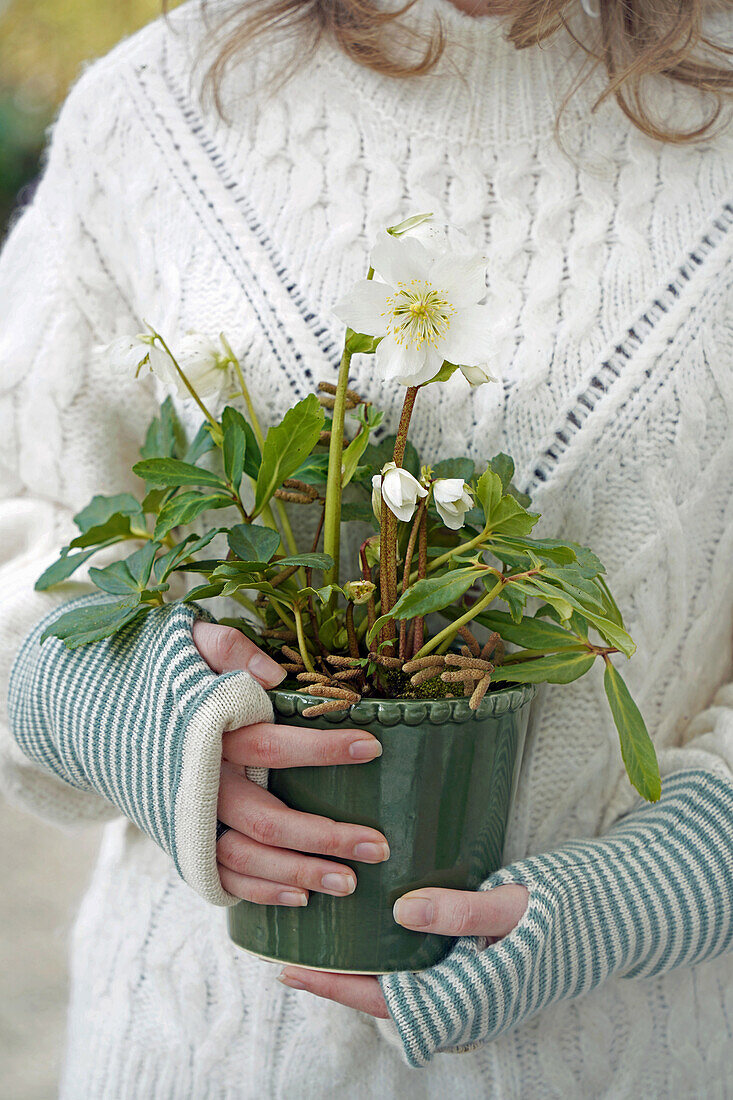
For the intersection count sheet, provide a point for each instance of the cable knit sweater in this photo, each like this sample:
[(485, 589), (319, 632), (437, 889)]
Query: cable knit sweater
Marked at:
[(610, 281)]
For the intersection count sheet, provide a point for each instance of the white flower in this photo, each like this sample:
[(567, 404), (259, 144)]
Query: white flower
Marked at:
[(201, 360), (400, 489), (426, 310), (198, 356), (478, 375), (452, 499)]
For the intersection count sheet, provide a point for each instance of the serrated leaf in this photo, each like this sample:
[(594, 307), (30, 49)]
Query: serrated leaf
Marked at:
[(434, 593), (131, 575), (234, 447), (529, 633), (489, 492), (101, 509), (546, 549), (308, 561), (184, 509), (503, 466), (555, 668), (286, 446), (172, 472), (250, 542), (637, 750), (62, 569), (94, 622)]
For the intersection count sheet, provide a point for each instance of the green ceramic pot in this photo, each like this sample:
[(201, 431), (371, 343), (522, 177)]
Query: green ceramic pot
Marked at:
[(441, 793)]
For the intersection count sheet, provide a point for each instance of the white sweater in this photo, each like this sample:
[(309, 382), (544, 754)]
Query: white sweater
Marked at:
[(610, 279)]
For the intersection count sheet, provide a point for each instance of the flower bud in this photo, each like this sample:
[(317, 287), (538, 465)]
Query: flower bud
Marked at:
[(400, 490), (359, 592), (452, 499)]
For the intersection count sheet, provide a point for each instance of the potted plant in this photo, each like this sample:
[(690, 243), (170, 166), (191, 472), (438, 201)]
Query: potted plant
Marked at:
[(433, 637)]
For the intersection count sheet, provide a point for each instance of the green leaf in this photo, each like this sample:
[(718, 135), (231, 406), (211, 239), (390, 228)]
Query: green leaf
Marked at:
[(357, 512), (503, 466), (286, 445), (556, 668), (566, 603), (101, 509), (545, 549), (377, 454), (62, 569), (314, 471), (445, 373), (360, 343), (454, 467), (434, 593), (250, 542), (165, 437), (154, 499), (117, 527), (234, 427), (529, 633), (132, 575), (637, 750), (185, 507), (309, 561), (92, 623), (510, 518), (184, 549), (408, 224), (172, 472), (488, 492), (204, 592), (200, 445)]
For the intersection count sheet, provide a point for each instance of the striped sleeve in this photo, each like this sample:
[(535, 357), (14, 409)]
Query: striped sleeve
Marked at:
[(138, 719), (653, 894)]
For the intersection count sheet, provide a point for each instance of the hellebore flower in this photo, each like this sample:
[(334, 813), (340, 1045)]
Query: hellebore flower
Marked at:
[(400, 490), (425, 310), (452, 499)]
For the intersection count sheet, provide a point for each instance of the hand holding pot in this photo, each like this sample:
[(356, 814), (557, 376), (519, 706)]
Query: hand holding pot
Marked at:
[(261, 856)]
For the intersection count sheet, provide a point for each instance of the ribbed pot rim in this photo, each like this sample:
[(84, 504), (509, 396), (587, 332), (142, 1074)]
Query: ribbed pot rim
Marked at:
[(288, 702)]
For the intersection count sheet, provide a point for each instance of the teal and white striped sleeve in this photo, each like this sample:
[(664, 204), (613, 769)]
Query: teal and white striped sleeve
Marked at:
[(138, 720), (654, 893)]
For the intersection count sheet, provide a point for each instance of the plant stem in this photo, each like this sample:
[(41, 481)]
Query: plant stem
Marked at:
[(350, 632), (422, 567), (416, 523), (400, 442), (387, 632), (289, 537), (332, 511), (446, 636), (188, 385), (301, 639)]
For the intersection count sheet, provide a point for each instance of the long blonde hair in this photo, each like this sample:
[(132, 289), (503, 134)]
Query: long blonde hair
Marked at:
[(634, 40)]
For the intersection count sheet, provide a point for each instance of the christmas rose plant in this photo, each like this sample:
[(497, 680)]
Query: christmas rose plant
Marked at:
[(450, 594)]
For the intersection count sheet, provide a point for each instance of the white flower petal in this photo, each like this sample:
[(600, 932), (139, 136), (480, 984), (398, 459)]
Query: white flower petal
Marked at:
[(364, 307), (469, 339), (405, 363), (400, 259), (462, 278), (478, 375)]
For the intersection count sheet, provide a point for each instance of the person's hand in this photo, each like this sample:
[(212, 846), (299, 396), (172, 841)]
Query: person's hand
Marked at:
[(492, 914), (261, 856)]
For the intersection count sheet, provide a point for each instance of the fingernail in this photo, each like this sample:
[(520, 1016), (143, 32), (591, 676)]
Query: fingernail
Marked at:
[(365, 750), (413, 912), (292, 982), (267, 671), (336, 883), (371, 853), (292, 897)]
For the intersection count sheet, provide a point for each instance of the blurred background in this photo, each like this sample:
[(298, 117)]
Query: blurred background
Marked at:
[(43, 44)]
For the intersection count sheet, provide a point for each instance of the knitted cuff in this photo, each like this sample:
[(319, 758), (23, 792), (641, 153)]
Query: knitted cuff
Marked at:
[(655, 893), (138, 718)]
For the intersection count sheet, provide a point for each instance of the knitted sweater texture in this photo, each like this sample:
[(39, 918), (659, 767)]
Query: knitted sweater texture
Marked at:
[(610, 281)]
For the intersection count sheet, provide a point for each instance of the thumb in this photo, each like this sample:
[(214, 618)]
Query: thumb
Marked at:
[(226, 649), (463, 912)]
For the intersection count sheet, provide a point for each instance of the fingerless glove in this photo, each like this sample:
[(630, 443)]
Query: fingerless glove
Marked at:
[(138, 718), (655, 893)]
